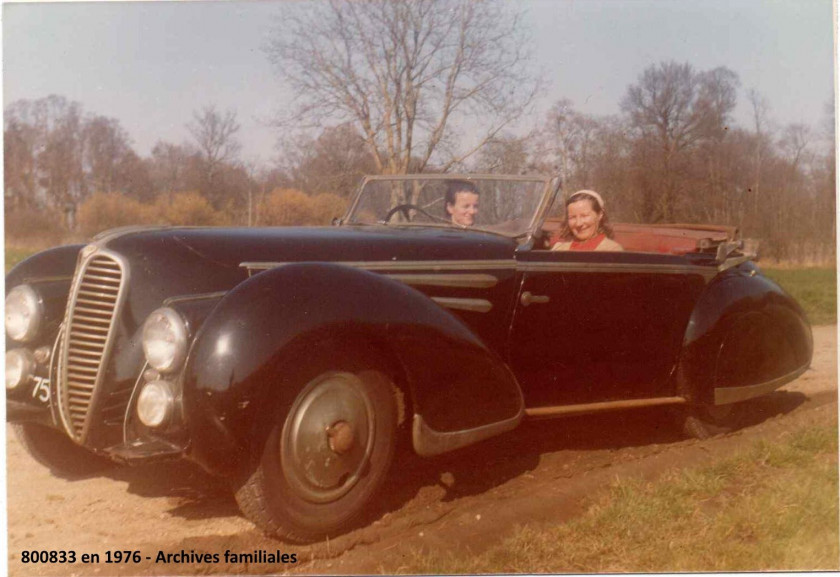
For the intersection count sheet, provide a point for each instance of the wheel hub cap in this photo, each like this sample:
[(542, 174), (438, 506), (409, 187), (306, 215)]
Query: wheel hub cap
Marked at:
[(341, 436), (328, 437)]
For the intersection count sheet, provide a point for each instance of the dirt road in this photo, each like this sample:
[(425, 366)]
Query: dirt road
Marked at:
[(467, 500)]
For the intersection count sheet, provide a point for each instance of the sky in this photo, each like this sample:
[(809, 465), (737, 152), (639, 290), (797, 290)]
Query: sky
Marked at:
[(152, 64)]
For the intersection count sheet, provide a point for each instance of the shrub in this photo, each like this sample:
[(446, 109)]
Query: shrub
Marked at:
[(34, 228), (102, 211), (287, 207), (187, 208), (328, 206)]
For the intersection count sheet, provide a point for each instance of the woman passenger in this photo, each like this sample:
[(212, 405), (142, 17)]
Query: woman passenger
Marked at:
[(587, 226)]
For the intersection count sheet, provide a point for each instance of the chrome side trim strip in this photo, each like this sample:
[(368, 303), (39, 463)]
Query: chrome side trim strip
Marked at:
[(197, 297), (584, 408), (475, 305), (463, 265), (408, 265), (447, 280), (729, 395), (706, 272), (428, 442)]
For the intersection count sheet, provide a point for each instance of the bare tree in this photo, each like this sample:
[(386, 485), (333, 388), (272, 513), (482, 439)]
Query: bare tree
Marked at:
[(106, 148), (569, 139), (505, 154), (333, 162), (20, 147), (672, 108), (407, 73), (760, 109), (214, 133), (173, 168)]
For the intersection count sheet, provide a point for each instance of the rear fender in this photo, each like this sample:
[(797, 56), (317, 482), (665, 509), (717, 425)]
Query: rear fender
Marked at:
[(746, 337), (249, 352)]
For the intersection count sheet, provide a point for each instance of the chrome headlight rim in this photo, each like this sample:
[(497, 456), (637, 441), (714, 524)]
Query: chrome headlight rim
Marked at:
[(20, 365), (32, 315), (165, 340), (156, 404)]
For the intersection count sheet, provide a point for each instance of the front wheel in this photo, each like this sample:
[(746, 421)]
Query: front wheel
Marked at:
[(325, 457)]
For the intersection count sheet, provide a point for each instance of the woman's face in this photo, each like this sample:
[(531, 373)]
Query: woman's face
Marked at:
[(584, 220), (465, 208)]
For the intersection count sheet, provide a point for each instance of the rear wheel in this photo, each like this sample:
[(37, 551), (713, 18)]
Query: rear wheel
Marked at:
[(57, 452), (325, 457)]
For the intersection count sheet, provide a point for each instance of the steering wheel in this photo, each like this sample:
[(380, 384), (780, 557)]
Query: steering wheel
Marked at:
[(404, 208)]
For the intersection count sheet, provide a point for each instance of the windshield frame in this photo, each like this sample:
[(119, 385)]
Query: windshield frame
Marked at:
[(549, 191)]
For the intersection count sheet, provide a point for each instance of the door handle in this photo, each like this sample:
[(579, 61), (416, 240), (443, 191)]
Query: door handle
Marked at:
[(527, 298)]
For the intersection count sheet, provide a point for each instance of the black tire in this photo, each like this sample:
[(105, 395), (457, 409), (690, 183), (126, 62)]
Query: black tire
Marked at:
[(325, 458), (705, 422), (58, 453)]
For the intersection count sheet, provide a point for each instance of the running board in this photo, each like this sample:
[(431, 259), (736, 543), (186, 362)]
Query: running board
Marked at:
[(582, 409)]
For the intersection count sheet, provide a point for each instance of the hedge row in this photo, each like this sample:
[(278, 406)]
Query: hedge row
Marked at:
[(101, 211)]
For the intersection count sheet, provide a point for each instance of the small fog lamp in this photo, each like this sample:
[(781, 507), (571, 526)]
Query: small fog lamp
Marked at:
[(155, 404), (20, 366)]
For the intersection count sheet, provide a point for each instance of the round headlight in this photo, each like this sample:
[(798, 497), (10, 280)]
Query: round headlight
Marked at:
[(24, 312), (20, 366), (165, 340), (155, 404)]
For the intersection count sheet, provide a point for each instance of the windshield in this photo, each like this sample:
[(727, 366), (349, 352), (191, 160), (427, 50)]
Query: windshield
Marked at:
[(504, 205)]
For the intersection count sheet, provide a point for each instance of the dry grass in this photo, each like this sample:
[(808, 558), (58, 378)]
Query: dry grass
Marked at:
[(814, 288), (774, 507)]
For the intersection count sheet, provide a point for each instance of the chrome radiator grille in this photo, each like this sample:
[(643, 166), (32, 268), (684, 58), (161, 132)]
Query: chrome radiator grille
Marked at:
[(89, 323)]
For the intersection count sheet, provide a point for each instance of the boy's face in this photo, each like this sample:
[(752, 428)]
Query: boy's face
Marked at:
[(464, 209)]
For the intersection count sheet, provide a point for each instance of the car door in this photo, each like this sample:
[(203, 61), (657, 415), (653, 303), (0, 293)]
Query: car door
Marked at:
[(599, 326)]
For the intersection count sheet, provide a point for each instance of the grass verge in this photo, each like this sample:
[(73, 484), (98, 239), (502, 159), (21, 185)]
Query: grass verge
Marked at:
[(814, 288), (773, 507)]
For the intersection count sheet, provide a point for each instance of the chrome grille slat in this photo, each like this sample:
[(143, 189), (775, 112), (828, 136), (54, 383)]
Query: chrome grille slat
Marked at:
[(93, 302), (86, 337), (83, 361), (75, 370), (98, 297), (106, 279), (90, 321), (90, 316), (89, 311)]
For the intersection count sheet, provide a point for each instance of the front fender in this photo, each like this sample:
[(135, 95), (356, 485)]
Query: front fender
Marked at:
[(58, 262), (50, 274), (244, 359), (745, 337)]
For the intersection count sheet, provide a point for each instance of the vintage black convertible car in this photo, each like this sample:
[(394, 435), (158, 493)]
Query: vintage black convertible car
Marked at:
[(290, 360)]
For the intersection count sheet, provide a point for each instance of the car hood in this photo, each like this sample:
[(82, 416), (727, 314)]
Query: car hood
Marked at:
[(233, 246), (168, 262)]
